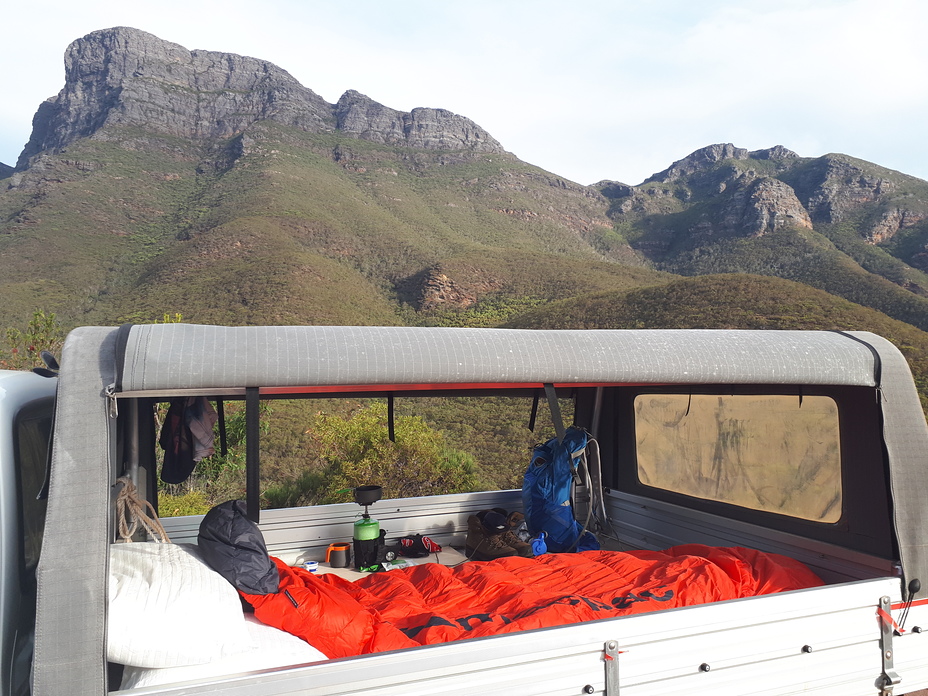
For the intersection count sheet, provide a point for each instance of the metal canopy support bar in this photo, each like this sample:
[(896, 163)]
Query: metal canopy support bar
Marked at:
[(325, 390), (391, 418), (223, 437), (611, 660), (252, 464), (889, 677)]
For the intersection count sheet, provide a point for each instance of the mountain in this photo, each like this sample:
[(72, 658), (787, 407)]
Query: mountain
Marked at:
[(846, 226), (163, 180)]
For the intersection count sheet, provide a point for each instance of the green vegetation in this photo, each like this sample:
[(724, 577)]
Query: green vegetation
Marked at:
[(312, 449), (194, 502), (885, 262), (356, 450), (488, 313), (810, 258), (493, 430), (301, 228), (22, 349)]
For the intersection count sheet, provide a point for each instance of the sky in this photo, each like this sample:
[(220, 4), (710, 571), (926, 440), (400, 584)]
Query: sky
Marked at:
[(586, 89)]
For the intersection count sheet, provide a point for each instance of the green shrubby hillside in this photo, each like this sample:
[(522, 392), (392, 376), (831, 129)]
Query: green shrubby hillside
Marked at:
[(284, 226)]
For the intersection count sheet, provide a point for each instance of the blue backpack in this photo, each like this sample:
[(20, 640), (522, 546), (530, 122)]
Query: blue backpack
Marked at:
[(546, 493)]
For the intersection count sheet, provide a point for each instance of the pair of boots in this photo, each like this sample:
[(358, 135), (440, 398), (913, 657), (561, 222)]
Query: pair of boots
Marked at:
[(491, 534)]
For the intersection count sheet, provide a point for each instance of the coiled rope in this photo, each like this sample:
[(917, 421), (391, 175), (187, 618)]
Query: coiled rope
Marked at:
[(129, 506)]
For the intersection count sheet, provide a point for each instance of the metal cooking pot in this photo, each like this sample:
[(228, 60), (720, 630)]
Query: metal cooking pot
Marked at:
[(366, 495)]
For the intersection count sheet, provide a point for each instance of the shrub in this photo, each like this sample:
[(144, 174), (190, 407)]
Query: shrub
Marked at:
[(355, 450), (191, 503), (24, 348)]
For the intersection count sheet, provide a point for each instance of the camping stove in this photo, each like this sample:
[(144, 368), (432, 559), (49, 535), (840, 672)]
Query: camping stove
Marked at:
[(370, 548)]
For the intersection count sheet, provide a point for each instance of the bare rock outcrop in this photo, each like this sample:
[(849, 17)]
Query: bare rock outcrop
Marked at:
[(836, 187), (763, 206), (436, 290), (707, 159), (701, 160), (777, 152), (427, 129), (127, 77), (891, 222)]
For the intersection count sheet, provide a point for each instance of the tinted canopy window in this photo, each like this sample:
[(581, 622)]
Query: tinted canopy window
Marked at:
[(33, 427), (775, 453)]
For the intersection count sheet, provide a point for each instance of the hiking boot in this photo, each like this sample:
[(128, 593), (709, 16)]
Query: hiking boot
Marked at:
[(510, 537), (484, 536)]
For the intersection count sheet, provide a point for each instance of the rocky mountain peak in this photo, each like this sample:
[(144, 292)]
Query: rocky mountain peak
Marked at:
[(699, 161), (430, 129), (127, 77), (777, 152), (359, 115), (124, 76), (707, 159)]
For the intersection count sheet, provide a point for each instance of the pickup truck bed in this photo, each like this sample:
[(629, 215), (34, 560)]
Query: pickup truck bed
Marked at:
[(846, 444)]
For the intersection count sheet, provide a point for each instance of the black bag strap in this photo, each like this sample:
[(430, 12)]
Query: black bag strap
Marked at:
[(534, 414), (556, 418)]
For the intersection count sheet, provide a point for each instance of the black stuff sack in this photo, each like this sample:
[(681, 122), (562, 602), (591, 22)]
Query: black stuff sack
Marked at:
[(233, 546)]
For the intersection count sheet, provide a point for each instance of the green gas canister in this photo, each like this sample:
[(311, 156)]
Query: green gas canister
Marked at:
[(366, 529)]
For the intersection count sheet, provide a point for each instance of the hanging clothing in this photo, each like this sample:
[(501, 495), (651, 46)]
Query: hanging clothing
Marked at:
[(186, 437)]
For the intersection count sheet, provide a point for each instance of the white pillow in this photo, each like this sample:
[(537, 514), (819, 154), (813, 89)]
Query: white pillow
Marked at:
[(168, 608), (275, 649)]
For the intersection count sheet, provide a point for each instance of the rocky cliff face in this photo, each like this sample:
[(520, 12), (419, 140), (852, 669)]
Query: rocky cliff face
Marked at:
[(833, 188), (762, 206), (837, 189), (707, 159), (751, 193), (437, 290), (127, 77), (721, 199), (427, 129)]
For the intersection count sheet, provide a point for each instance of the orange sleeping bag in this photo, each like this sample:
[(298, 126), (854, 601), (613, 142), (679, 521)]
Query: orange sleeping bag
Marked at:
[(432, 603)]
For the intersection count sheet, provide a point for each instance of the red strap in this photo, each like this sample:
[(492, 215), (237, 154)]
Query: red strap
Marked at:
[(888, 619)]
